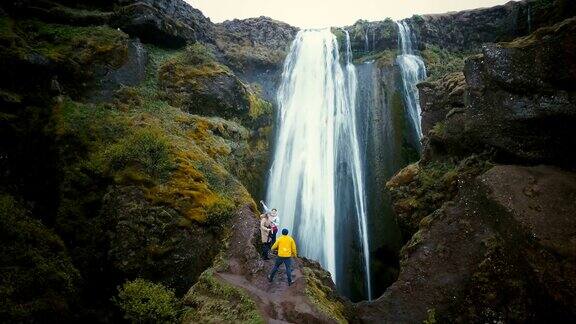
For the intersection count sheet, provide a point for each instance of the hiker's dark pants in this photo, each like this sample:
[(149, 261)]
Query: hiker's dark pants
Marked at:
[(287, 263), (266, 250)]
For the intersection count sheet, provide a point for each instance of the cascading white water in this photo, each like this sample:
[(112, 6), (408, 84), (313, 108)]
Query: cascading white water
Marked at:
[(413, 71), (317, 130), (356, 164)]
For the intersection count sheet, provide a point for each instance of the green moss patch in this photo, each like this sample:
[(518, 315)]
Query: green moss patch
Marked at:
[(143, 301), (83, 45), (322, 296), (434, 184), (382, 59), (212, 301), (440, 62)]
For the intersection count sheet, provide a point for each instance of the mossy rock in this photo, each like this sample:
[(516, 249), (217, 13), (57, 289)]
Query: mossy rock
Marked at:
[(211, 300), (321, 292), (38, 282), (420, 189), (440, 61)]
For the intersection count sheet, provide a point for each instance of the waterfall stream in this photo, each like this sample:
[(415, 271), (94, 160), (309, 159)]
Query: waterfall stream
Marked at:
[(413, 71), (316, 176)]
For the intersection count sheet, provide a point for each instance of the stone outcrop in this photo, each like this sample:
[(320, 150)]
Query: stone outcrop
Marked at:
[(255, 49), (440, 97), (520, 100), (170, 22), (237, 288), (468, 30), (491, 243), (510, 232)]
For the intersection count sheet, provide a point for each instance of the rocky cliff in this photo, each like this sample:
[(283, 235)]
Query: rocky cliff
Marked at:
[(135, 134), (128, 146), (491, 224)]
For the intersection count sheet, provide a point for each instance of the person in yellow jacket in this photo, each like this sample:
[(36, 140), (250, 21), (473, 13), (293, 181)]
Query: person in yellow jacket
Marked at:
[(286, 250)]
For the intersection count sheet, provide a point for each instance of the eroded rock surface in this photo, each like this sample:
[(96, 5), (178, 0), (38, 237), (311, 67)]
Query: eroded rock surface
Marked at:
[(241, 271), (520, 101), (510, 232)]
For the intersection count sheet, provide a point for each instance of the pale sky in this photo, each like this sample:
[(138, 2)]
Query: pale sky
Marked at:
[(327, 13)]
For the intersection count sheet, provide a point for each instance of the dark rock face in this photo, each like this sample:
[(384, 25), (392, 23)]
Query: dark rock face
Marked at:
[(257, 42), (496, 245), (150, 25), (131, 73), (509, 233), (440, 97), (218, 94), (371, 36), (521, 99), (169, 22), (255, 49), (468, 30), (201, 85)]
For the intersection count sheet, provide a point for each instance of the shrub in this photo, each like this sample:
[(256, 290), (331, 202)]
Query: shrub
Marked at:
[(143, 301), (198, 54), (145, 149), (220, 212), (440, 61), (38, 282)]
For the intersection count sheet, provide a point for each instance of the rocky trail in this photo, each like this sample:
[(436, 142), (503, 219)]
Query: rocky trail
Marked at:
[(277, 302)]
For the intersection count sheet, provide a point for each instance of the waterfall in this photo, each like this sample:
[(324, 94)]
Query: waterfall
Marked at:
[(356, 165), (366, 41), (317, 146), (413, 71)]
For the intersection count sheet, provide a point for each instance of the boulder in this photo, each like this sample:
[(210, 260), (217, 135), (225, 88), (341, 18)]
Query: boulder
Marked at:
[(130, 73), (520, 101), (208, 89), (156, 242), (439, 97), (503, 251)]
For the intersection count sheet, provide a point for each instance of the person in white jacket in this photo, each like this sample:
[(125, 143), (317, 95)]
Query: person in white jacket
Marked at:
[(274, 219)]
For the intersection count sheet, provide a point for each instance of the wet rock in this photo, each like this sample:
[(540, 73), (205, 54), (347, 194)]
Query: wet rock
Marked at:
[(440, 97), (520, 102), (468, 30), (494, 254)]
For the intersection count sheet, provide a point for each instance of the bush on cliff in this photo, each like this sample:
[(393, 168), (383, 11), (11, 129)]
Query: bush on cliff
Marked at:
[(143, 301), (38, 282)]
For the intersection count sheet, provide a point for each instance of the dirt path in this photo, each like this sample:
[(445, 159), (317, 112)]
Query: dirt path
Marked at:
[(277, 302)]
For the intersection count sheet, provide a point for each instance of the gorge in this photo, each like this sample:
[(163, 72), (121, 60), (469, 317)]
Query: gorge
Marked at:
[(426, 167)]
